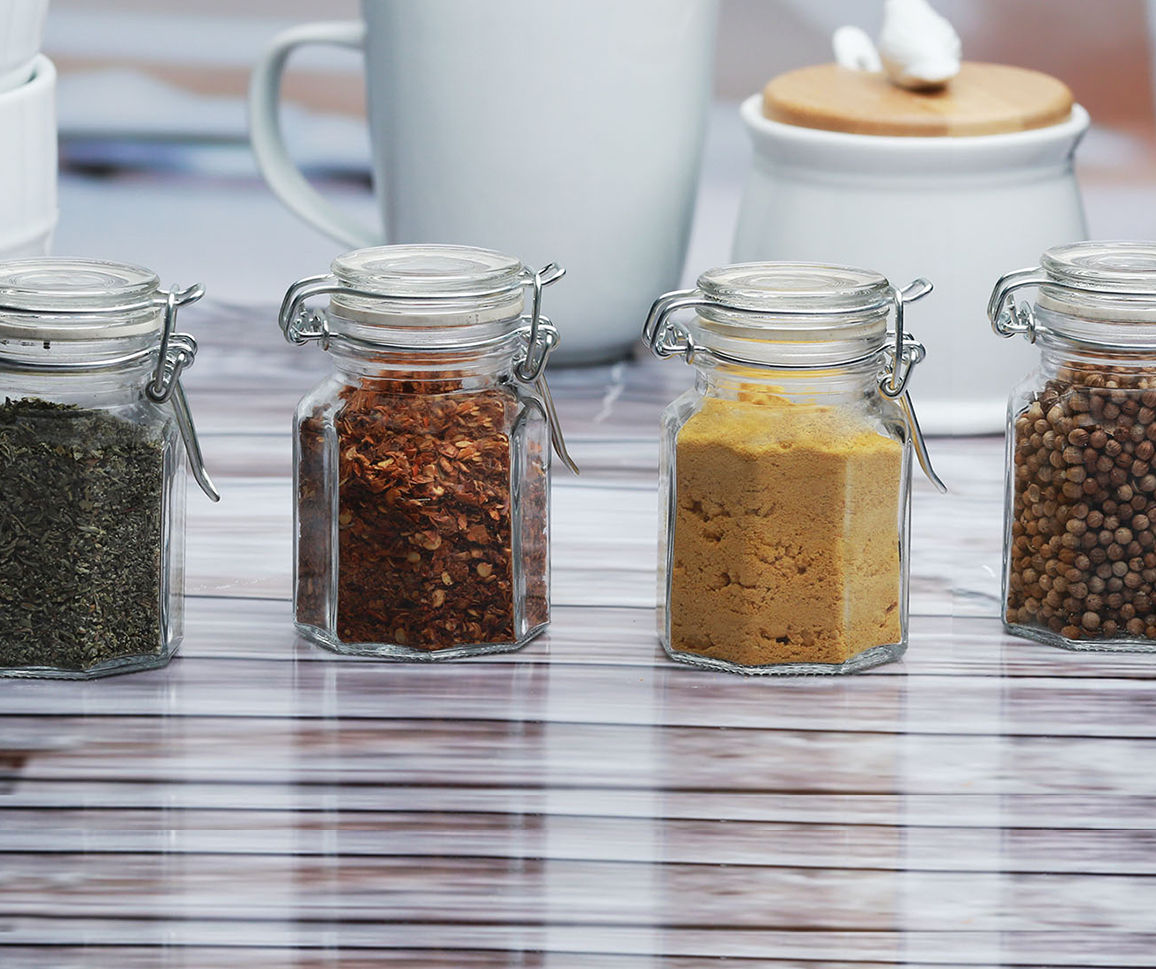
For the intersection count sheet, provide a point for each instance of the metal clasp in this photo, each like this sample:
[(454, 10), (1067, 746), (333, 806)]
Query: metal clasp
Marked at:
[(298, 323), (905, 354), (1008, 318), (531, 366), (906, 351), (665, 337), (541, 339), (542, 394), (177, 352)]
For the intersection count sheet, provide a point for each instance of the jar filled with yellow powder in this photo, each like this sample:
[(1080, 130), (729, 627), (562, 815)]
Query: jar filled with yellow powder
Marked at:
[(786, 470)]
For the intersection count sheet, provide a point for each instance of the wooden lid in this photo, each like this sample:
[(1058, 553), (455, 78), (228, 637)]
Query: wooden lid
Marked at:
[(984, 99)]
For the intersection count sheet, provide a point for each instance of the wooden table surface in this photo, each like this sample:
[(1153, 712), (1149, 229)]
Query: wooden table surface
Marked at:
[(582, 803)]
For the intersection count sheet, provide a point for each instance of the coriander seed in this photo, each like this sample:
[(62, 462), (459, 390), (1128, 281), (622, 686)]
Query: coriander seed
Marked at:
[(1082, 487)]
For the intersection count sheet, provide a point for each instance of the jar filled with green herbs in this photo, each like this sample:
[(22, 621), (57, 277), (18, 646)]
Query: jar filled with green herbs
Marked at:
[(94, 429)]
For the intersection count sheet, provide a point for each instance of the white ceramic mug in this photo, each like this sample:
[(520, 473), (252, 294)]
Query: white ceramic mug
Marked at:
[(566, 131), (28, 164), (958, 211), (21, 30)]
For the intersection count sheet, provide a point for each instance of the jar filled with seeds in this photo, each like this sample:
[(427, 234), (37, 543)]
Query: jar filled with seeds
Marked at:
[(94, 429), (786, 470), (422, 463), (1080, 531)]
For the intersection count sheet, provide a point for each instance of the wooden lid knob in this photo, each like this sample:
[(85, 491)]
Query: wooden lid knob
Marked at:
[(984, 99)]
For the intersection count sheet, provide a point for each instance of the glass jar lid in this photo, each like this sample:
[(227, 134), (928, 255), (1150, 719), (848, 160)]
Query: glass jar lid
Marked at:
[(1119, 266), (57, 299), (418, 272), (793, 287), (1107, 281), (805, 314), (423, 286)]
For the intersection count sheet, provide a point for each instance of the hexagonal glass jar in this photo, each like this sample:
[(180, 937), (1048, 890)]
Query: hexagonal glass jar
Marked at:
[(422, 462), (1079, 565), (92, 468), (785, 473)]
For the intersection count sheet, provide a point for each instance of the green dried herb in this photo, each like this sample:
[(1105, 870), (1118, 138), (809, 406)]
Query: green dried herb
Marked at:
[(81, 536)]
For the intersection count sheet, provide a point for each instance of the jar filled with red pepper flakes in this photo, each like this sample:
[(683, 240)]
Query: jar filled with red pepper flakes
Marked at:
[(422, 463)]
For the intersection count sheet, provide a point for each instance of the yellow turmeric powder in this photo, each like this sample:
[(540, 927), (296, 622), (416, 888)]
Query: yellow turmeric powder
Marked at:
[(786, 534)]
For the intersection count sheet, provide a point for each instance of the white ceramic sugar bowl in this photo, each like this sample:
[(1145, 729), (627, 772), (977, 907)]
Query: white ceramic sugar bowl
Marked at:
[(955, 206)]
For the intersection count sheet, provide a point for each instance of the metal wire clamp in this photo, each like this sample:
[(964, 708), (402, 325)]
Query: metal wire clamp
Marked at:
[(531, 366), (1008, 318), (177, 351)]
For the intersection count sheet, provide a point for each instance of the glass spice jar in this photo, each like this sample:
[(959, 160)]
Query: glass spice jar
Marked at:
[(785, 471), (1079, 554), (422, 463), (92, 417)]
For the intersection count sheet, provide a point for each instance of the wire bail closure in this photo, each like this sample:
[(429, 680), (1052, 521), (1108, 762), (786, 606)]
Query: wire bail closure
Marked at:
[(906, 352), (667, 338), (177, 351), (531, 366), (298, 323), (530, 369), (1009, 318)]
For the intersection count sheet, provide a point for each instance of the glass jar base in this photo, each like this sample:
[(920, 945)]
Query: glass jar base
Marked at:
[(394, 652), (112, 667), (1049, 638), (875, 656)]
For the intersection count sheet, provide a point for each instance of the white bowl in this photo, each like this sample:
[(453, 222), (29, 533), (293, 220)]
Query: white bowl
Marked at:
[(959, 211), (28, 164), (21, 29)]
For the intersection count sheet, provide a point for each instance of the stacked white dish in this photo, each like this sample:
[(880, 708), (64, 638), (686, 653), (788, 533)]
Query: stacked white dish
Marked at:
[(28, 155)]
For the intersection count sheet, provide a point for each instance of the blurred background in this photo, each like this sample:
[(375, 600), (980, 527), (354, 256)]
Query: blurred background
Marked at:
[(1101, 49), (157, 86)]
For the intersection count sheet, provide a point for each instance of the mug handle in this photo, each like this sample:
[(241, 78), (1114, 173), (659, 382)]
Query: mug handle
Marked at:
[(273, 159)]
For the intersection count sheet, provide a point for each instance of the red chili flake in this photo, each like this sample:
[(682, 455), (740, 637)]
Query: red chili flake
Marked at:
[(424, 548)]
